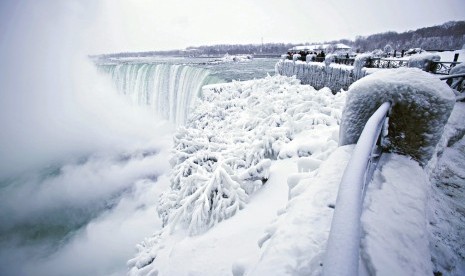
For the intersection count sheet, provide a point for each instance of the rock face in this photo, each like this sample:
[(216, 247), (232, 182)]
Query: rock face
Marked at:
[(421, 105)]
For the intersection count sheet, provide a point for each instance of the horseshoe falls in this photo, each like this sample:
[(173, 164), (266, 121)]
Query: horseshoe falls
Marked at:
[(169, 90)]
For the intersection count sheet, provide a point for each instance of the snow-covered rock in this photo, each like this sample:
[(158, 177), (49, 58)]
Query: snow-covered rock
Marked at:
[(423, 61), (421, 105)]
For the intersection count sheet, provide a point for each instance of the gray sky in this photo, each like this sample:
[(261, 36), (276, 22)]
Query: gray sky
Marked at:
[(142, 25), (161, 24)]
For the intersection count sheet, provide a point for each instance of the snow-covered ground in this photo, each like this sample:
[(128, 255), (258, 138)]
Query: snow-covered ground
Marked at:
[(448, 56), (274, 142)]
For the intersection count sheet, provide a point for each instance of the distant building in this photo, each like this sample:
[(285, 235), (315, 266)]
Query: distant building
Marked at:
[(320, 47)]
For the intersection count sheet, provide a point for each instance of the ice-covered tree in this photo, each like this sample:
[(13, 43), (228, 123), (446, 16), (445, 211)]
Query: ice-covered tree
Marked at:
[(388, 49)]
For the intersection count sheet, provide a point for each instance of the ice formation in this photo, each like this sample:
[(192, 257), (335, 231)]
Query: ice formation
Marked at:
[(168, 89), (359, 63), (318, 75), (227, 150), (421, 105), (423, 61), (222, 155)]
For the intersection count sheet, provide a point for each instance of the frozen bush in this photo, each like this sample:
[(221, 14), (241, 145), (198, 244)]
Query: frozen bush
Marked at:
[(224, 152), (421, 105)]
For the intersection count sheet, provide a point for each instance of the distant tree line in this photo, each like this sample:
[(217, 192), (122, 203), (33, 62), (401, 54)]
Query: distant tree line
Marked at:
[(448, 36), (234, 49)]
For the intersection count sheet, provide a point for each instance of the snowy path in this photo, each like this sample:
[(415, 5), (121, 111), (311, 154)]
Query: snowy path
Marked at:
[(394, 234)]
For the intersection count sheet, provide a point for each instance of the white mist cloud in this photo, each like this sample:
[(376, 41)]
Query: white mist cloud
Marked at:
[(53, 103), (55, 109)]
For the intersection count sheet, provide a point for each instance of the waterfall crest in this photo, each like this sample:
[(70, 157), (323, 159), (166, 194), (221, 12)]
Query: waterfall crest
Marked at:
[(168, 89)]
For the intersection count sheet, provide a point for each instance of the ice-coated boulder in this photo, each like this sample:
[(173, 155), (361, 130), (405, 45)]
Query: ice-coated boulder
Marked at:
[(423, 61), (421, 105)]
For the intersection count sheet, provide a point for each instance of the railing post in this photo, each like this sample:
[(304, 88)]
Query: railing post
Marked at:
[(456, 57), (402, 53), (395, 53)]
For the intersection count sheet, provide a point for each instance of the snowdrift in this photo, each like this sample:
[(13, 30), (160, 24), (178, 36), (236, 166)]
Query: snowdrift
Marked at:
[(421, 105)]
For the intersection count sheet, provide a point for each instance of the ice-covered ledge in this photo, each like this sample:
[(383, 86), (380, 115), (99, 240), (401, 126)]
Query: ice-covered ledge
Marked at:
[(317, 74)]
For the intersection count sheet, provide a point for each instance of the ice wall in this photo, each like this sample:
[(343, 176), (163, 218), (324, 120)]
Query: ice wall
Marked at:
[(169, 89), (319, 75)]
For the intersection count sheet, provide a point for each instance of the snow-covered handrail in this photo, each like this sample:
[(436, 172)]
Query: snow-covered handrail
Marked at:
[(452, 76), (342, 252)]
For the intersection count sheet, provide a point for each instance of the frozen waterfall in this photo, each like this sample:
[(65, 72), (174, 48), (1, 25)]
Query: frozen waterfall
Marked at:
[(169, 89)]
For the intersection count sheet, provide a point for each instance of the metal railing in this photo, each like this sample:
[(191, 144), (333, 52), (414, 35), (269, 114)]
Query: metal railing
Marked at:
[(456, 81), (386, 63), (343, 248), (442, 67)]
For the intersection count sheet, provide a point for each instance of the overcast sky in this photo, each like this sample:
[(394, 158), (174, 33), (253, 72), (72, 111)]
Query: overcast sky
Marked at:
[(143, 25)]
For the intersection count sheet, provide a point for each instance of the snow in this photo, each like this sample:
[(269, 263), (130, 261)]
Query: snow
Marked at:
[(423, 61), (359, 63), (344, 239), (458, 69), (421, 105), (232, 58), (318, 75), (448, 56), (330, 58), (297, 239), (447, 197), (394, 234), (234, 132), (296, 57), (410, 226), (233, 243)]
